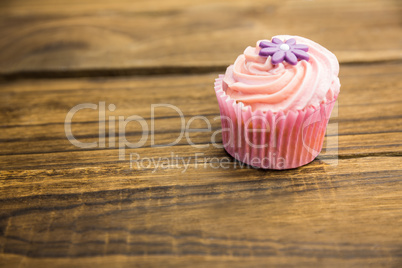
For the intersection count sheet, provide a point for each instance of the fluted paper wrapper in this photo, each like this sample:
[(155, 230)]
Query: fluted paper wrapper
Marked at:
[(271, 140)]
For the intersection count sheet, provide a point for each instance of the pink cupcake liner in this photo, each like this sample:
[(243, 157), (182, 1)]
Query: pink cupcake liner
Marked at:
[(272, 140)]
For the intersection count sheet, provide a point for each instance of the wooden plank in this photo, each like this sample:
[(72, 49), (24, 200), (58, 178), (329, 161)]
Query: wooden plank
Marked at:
[(95, 170), (298, 215), (194, 95), (66, 206), (32, 125), (71, 207), (75, 38), (193, 261)]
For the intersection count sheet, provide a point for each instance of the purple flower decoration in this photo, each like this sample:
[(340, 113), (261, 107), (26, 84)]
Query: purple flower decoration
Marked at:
[(288, 51)]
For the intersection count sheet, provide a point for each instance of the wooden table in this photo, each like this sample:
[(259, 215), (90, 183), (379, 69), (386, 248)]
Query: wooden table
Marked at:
[(63, 205)]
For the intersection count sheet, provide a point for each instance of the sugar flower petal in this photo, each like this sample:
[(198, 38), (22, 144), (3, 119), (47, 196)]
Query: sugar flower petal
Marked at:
[(277, 41), (300, 54), (290, 57), (291, 42), (267, 44), (301, 47), (278, 57), (268, 51)]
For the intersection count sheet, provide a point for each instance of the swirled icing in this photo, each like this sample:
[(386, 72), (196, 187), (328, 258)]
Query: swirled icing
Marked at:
[(255, 81)]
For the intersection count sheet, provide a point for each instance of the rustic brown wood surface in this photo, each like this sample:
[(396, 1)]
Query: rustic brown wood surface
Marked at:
[(66, 206), (39, 38)]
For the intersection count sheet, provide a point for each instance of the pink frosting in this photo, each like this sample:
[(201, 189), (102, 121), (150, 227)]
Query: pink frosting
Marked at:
[(254, 81)]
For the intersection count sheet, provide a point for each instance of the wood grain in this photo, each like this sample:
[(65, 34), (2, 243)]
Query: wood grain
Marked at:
[(64, 206), (364, 129), (72, 38)]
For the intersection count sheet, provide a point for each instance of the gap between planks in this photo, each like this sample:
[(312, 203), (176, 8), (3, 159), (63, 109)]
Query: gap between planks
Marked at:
[(144, 71)]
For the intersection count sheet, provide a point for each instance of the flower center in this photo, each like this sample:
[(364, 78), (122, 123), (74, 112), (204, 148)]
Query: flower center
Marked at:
[(284, 47)]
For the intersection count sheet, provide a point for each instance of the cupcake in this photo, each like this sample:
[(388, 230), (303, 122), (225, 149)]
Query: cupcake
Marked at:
[(275, 102)]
